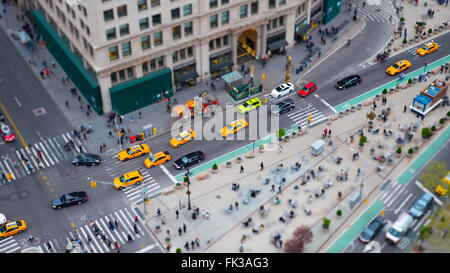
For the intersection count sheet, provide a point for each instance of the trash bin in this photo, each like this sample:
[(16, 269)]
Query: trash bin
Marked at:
[(132, 139), (194, 216)]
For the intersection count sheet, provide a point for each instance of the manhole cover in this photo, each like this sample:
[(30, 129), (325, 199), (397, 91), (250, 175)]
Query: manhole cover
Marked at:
[(39, 111)]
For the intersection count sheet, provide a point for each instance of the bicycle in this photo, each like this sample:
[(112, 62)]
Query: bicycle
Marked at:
[(33, 240)]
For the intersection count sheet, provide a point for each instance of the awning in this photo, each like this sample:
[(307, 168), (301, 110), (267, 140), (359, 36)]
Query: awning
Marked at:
[(23, 36), (191, 74), (277, 45), (302, 31), (221, 65), (317, 17)]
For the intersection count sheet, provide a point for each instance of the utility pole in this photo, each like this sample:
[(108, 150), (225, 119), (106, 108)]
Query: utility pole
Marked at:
[(143, 198), (363, 180)]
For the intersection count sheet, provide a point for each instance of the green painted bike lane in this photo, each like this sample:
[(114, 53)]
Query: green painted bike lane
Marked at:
[(378, 205), (389, 85)]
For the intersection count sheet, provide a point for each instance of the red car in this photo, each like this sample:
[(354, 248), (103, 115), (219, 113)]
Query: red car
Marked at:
[(308, 89), (8, 136)]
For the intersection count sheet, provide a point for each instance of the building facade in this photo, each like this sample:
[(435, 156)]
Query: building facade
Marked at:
[(130, 53)]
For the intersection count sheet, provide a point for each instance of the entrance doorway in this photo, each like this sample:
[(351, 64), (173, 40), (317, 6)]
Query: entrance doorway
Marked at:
[(246, 47)]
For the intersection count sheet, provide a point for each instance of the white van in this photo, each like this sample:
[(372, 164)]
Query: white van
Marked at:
[(399, 228), (2, 219)]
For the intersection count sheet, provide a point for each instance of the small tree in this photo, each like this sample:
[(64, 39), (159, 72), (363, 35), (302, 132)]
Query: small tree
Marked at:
[(448, 114), (384, 91), (399, 150), (214, 166), (410, 81), (410, 151), (326, 223), (402, 19), (405, 41), (433, 128), (442, 121), (362, 140), (339, 212), (178, 250), (281, 133), (426, 132), (424, 234), (371, 115), (301, 237), (430, 30)]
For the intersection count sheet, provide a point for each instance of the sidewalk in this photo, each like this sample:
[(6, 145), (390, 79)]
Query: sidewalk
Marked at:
[(223, 232), (60, 92)]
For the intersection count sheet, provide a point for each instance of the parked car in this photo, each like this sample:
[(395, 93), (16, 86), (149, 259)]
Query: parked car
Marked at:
[(69, 199), (307, 89), (7, 134), (189, 159), (348, 82), (283, 107), (421, 206), (372, 229), (399, 229), (282, 90), (86, 159)]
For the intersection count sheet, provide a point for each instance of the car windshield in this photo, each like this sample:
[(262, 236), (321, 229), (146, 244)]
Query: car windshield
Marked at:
[(122, 178), (62, 199), (178, 137), (396, 66), (152, 158), (305, 88), (129, 152), (279, 88), (425, 47), (394, 232), (245, 104), (367, 233), (3, 229), (184, 159), (230, 127)]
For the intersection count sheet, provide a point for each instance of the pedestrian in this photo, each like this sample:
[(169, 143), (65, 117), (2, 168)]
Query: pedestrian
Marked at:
[(339, 195), (184, 228), (110, 134), (130, 238), (4, 177), (273, 188), (242, 169), (136, 219), (442, 68), (111, 225), (16, 166), (280, 148), (158, 211), (310, 199), (186, 245), (49, 246), (405, 108), (358, 172), (319, 53), (30, 169), (135, 228), (81, 149), (281, 243), (180, 231), (89, 238), (42, 74), (109, 243), (116, 245), (192, 245), (140, 114), (81, 108), (84, 135), (236, 204), (329, 133), (67, 105), (39, 163), (262, 166), (101, 148), (197, 241), (47, 73)]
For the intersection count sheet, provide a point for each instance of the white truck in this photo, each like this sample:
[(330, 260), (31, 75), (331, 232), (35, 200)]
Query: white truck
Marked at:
[(399, 229), (2, 219)]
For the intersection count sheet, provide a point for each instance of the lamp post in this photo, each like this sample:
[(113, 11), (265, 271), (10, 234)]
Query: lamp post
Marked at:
[(188, 193)]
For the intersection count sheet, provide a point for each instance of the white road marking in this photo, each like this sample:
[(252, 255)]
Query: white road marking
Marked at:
[(146, 248), (168, 174), (425, 190), (17, 101), (404, 202)]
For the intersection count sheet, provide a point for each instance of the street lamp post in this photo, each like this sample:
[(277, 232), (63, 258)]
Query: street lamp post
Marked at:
[(188, 193), (143, 198)]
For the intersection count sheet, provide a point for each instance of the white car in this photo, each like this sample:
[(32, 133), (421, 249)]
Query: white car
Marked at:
[(282, 89)]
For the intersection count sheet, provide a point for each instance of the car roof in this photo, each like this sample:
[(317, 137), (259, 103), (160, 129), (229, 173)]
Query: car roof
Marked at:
[(132, 173), (194, 153), (426, 196), (310, 84), (77, 193), (135, 147)]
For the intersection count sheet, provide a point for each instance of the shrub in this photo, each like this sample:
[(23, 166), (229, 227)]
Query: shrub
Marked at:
[(448, 114), (261, 147), (362, 140), (426, 132), (214, 166), (410, 81), (430, 31), (238, 158), (405, 41), (402, 19), (433, 128), (339, 212), (178, 250), (410, 151), (326, 223), (384, 91), (281, 133), (442, 121), (399, 150)]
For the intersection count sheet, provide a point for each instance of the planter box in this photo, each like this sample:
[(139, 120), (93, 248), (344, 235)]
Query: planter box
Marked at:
[(166, 192), (229, 165), (252, 155), (359, 106), (214, 171), (202, 176), (333, 118), (367, 103)]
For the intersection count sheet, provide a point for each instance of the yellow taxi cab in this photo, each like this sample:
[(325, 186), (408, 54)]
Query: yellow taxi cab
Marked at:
[(398, 67), (233, 127), (157, 159), (427, 49), (442, 188), (249, 105), (128, 179), (12, 228), (134, 151), (182, 138)]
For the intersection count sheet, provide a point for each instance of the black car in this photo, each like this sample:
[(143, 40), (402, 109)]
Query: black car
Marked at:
[(372, 229), (189, 159), (86, 159), (284, 106), (69, 199), (349, 82)]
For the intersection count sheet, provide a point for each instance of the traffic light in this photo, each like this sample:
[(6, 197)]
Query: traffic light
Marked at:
[(382, 213), (93, 184)]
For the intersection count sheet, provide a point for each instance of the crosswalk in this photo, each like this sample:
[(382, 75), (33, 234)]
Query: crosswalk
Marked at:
[(382, 11), (301, 113), (134, 193), (52, 150), (90, 242)]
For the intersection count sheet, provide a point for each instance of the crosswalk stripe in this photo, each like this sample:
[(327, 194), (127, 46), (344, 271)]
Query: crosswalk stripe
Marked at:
[(7, 244), (391, 191), (55, 148), (31, 158), (395, 197), (314, 116), (23, 163), (85, 240), (60, 147), (126, 220), (74, 150), (109, 233), (37, 156), (93, 237), (131, 217), (117, 230), (9, 170), (52, 155), (44, 152), (100, 239), (404, 202)]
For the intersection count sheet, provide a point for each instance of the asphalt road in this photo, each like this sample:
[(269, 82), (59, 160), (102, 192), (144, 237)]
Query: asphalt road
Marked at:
[(402, 201)]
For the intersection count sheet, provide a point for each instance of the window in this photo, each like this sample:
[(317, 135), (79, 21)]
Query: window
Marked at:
[(225, 17), (272, 4), (188, 29), (254, 7), (88, 31), (123, 29), (111, 33), (281, 23), (218, 42), (176, 32), (213, 21), (145, 68), (243, 11), (122, 11), (182, 54), (274, 23), (113, 53), (175, 56), (81, 23), (145, 42), (187, 10), (142, 5), (225, 2), (156, 19), (143, 23), (157, 38), (122, 75), (211, 45), (213, 4), (113, 78), (175, 13), (225, 40), (126, 49), (281, 2), (190, 52), (160, 61), (108, 15), (154, 3), (130, 72)]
